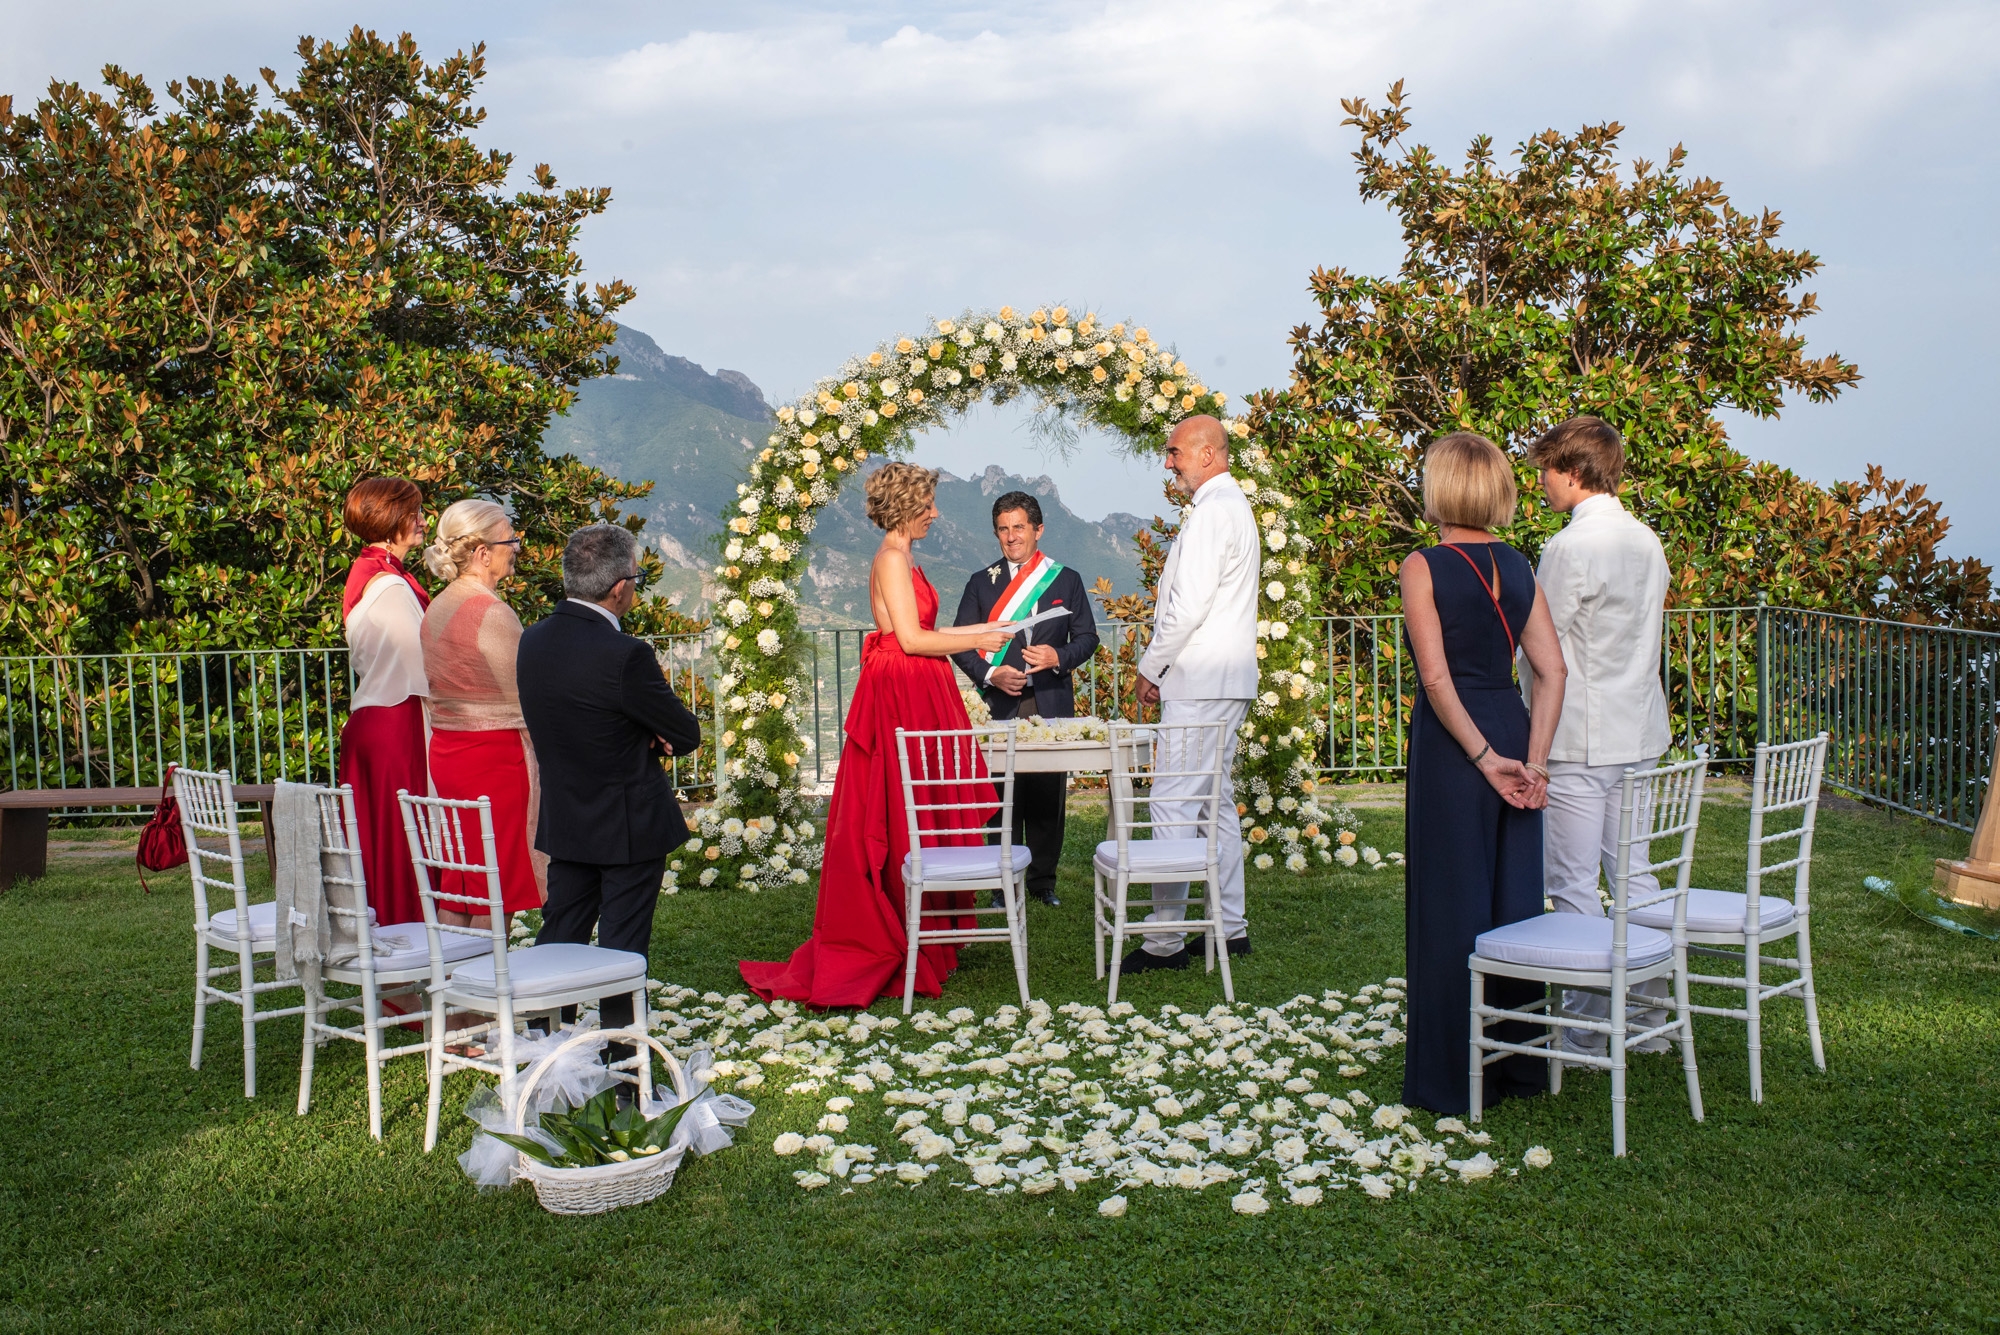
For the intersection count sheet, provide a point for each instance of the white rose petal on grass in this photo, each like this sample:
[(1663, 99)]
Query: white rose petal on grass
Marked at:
[(1249, 1203), (791, 1142), (910, 1172), (1450, 1126), (813, 1181), (1112, 1207), (1306, 1195), (1537, 1156), (833, 1122), (1381, 1188), (988, 1175), (1476, 1169), (840, 1104), (1389, 1116)]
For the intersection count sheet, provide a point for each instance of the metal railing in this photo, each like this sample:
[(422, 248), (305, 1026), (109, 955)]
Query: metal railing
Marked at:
[(1910, 709)]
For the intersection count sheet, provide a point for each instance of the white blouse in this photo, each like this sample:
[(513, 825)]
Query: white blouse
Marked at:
[(385, 644)]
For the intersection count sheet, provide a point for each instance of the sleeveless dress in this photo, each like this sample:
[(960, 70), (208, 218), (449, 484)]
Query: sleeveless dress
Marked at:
[(858, 946), (1475, 863), (479, 741)]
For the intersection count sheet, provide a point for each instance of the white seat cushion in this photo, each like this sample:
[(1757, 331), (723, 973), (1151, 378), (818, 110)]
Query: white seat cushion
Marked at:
[(1571, 941), (1717, 911), (263, 924), (552, 968), (1157, 857), (964, 864), (416, 953)]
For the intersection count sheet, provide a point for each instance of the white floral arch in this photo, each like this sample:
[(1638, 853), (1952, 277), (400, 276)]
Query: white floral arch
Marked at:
[(761, 831)]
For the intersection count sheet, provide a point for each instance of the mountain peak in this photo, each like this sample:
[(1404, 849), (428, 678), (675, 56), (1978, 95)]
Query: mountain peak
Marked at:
[(730, 391)]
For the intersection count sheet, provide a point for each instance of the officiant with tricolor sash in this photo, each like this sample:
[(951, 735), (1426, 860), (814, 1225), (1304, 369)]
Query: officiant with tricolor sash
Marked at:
[(1031, 676)]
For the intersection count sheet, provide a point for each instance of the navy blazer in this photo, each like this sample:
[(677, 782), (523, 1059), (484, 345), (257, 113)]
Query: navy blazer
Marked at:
[(1074, 640), (595, 700)]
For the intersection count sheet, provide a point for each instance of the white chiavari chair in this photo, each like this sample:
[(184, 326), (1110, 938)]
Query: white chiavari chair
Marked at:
[(388, 965), (947, 774), (1141, 756), (1608, 955), (501, 984), (249, 931), (1737, 926)]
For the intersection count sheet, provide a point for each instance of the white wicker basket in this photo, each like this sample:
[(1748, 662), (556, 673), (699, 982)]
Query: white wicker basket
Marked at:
[(604, 1186)]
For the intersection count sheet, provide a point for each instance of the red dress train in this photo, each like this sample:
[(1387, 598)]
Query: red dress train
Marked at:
[(858, 946)]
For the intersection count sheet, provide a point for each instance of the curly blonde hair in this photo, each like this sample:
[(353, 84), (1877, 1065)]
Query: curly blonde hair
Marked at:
[(463, 529), (898, 493)]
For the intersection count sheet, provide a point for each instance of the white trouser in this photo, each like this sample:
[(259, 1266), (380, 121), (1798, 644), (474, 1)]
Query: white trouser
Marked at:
[(1177, 804), (1579, 839)]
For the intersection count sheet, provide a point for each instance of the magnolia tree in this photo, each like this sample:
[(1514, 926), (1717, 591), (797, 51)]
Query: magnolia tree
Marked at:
[(759, 831), (216, 315), (1564, 283)]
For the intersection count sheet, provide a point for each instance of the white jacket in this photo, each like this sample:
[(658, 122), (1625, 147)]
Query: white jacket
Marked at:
[(1204, 644), (1605, 579)]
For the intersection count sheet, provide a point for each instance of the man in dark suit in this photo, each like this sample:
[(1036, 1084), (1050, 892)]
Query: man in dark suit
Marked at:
[(602, 716), (1032, 678)]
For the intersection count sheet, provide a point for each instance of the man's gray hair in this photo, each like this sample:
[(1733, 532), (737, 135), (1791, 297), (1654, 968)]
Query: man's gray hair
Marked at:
[(597, 557)]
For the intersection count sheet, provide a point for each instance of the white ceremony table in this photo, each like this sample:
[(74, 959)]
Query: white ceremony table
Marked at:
[(1062, 758)]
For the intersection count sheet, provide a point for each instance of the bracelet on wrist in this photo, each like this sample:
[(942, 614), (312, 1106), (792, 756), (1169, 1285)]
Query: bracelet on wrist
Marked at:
[(1539, 769), (1483, 753)]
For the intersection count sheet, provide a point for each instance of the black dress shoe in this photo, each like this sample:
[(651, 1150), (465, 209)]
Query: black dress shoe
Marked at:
[(1142, 960), (1047, 897), (1238, 945)]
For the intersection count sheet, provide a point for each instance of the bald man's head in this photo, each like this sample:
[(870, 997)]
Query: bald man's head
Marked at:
[(1197, 450)]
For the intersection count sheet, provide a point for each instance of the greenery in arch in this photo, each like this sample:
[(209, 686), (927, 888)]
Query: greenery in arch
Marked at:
[(760, 830)]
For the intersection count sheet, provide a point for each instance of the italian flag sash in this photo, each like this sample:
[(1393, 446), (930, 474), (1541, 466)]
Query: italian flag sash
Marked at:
[(1018, 599)]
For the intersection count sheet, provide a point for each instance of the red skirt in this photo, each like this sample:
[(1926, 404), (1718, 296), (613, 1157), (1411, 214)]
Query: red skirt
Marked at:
[(858, 947), (467, 766), (381, 750)]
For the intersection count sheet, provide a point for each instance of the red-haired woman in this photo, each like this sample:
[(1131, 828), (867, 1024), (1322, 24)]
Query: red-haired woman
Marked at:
[(382, 745)]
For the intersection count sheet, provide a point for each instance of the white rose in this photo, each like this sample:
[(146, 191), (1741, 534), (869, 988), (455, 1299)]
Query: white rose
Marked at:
[(835, 1122), (1479, 1167), (1347, 856), (734, 550), (1249, 1203), (769, 641), (789, 1143), (988, 1175), (1112, 1207), (1538, 1156), (807, 417), (1378, 1187), (1008, 361), (1306, 1195), (1389, 1116)]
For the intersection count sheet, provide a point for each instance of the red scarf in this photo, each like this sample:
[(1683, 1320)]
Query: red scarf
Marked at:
[(375, 561)]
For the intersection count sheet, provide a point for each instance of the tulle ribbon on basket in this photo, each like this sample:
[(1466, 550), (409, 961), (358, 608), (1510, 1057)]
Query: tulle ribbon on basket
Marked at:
[(707, 1126)]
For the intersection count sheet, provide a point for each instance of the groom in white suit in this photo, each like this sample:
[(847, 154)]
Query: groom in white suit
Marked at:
[(1201, 666), (1605, 578)]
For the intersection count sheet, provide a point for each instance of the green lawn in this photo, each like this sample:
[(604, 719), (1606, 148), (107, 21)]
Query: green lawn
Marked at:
[(137, 1194)]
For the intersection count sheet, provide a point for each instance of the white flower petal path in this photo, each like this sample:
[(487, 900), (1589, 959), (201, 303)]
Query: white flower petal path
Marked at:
[(1041, 1098)]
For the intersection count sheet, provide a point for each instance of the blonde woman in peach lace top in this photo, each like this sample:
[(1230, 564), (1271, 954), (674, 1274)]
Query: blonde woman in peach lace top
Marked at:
[(479, 745)]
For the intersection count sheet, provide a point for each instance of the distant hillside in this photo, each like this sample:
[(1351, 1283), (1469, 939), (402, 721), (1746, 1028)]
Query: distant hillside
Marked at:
[(663, 417)]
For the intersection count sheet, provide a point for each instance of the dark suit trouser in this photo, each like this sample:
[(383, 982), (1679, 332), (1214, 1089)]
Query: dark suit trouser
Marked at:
[(1040, 817), (617, 900)]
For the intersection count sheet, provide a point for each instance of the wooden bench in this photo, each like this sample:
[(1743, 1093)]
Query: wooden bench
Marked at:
[(24, 821)]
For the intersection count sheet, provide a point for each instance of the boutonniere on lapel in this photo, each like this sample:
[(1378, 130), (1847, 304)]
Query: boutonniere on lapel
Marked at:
[(993, 574)]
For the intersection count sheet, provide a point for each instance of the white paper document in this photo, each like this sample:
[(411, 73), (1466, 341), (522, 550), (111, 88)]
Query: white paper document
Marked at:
[(1049, 615)]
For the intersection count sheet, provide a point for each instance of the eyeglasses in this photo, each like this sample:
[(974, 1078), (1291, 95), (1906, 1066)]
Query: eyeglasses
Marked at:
[(515, 543)]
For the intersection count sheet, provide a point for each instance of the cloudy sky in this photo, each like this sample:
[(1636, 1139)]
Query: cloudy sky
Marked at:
[(794, 182)]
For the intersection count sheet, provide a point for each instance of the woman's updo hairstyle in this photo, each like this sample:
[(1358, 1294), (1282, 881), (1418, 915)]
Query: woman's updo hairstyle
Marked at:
[(381, 509), (898, 493), (463, 529)]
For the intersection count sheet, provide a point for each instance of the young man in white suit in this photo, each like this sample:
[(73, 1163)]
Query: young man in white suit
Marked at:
[(1605, 578), (1201, 666)]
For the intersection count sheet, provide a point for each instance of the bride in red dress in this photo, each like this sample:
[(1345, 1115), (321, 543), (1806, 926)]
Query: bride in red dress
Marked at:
[(858, 945)]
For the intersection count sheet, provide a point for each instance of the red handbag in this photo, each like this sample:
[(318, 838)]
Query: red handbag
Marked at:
[(162, 844)]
